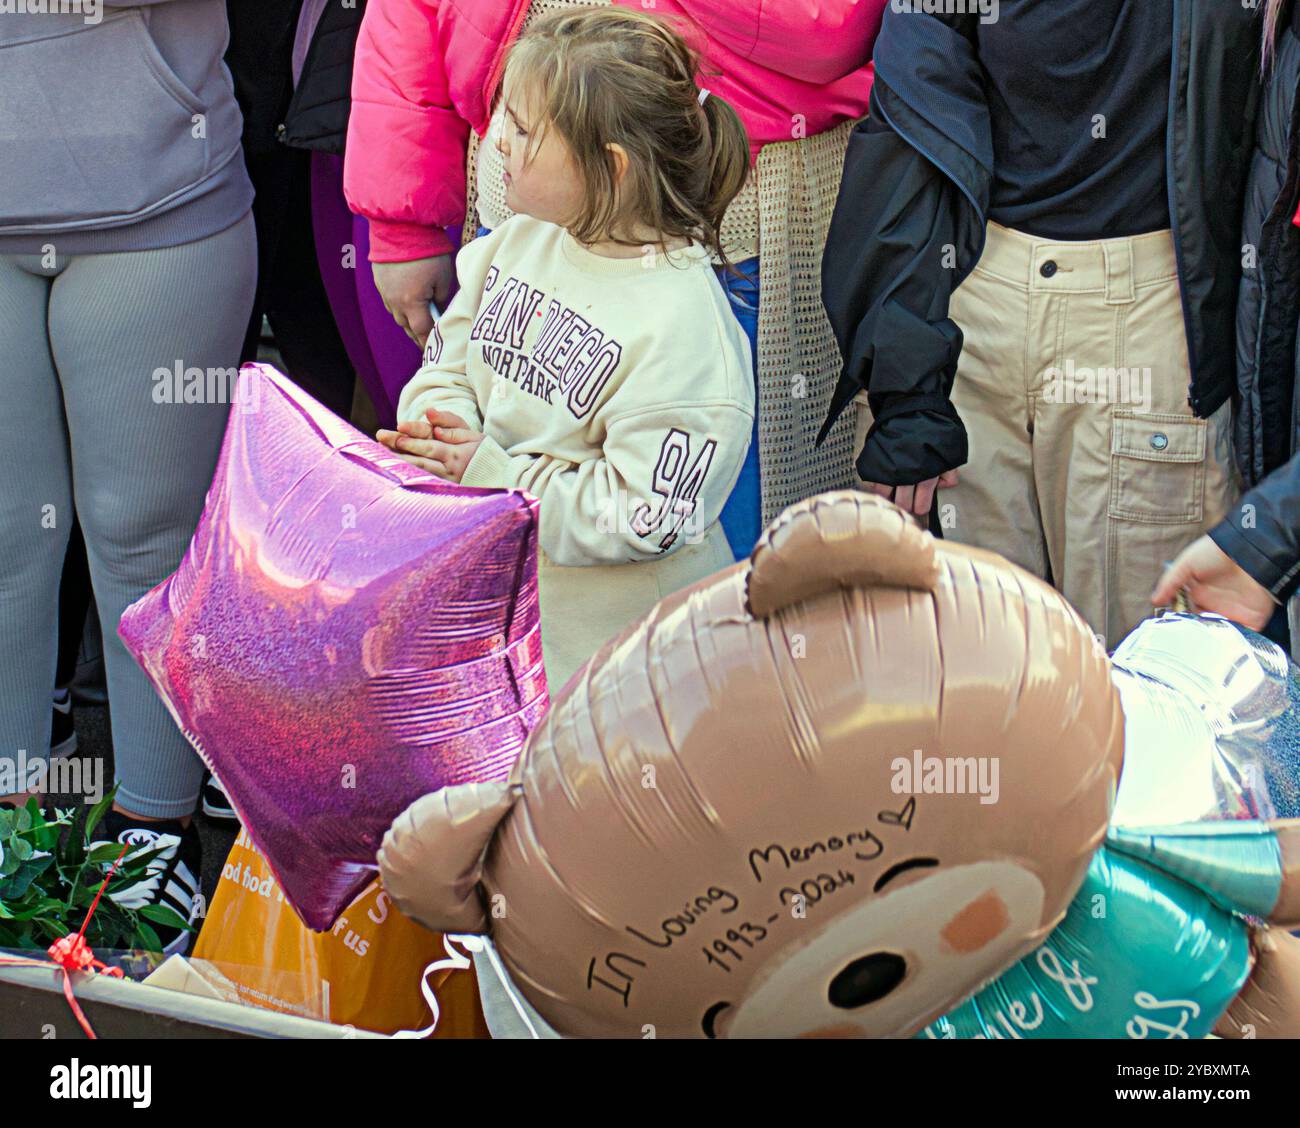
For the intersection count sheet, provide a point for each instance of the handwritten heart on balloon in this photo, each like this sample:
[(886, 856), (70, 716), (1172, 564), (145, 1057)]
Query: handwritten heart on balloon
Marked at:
[(345, 634)]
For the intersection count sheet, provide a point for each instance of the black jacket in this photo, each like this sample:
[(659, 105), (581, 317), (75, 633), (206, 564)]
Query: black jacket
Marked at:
[(1263, 533), (910, 222), (315, 115)]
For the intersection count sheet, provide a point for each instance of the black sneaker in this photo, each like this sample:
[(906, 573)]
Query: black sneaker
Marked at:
[(173, 880), (63, 736), (216, 804)]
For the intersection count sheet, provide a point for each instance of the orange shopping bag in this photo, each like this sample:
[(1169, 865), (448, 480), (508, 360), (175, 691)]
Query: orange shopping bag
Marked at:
[(377, 970)]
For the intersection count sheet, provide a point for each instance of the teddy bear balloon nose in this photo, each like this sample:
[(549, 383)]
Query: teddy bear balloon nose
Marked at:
[(866, 980)]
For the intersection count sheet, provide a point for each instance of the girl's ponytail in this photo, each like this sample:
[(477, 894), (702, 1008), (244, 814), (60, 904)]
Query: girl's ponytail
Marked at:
[(728, 163), (1272, 20), (612, 76)]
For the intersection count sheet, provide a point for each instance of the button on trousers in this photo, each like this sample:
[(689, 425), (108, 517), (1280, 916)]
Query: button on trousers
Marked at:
[(1087, 466)]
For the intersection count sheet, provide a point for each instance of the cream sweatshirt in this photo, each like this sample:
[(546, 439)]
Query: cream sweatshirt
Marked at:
[(619, 392)]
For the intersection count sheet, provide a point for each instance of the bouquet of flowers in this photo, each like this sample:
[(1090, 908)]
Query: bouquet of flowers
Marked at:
[(51, 871)]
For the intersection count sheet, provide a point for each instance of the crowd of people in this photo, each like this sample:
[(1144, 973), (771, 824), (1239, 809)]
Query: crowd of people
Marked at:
[(668, 267)]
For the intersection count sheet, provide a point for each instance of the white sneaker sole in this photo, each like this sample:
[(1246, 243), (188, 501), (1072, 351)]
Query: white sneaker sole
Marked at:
[(226, 814)]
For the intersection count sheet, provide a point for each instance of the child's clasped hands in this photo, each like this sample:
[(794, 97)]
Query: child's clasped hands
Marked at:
[(441, 443)]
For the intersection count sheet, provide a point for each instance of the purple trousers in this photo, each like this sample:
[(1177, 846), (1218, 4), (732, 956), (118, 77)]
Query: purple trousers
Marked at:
[(383, 355)]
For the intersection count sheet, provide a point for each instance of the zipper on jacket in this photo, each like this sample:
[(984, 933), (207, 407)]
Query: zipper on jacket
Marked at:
[(1175, 72)]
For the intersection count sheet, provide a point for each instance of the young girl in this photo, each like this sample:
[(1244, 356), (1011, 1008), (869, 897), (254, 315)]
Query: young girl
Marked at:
[(421, 161), (591, 357)]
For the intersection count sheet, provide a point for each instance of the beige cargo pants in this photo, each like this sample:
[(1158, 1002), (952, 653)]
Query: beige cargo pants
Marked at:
[(1086, 466)]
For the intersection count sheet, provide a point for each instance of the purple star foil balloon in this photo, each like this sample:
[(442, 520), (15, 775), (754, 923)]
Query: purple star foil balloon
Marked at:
[(345, 634)]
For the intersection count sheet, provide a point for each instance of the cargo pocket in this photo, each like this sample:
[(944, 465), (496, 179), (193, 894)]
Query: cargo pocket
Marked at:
[(98, 130), (1157, 507), (1157, 468)]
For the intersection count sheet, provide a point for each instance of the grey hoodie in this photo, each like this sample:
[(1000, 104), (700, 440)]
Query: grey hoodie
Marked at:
[(119, 129)]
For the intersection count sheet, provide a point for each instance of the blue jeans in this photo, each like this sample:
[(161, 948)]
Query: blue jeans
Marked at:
[(742, 516)]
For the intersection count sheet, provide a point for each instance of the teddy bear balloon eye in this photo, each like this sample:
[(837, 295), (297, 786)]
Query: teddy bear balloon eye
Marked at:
[(901, 868)]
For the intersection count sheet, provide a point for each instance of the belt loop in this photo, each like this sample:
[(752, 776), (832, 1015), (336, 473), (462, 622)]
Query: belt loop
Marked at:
[(1119, 271)]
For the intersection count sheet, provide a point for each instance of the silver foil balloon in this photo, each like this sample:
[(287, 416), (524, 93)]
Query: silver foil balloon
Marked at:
[(1212, 724)]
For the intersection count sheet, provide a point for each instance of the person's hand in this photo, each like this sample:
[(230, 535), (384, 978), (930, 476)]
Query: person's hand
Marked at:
[(408, 287), (441, 443), (915, 499), (1216, 583)]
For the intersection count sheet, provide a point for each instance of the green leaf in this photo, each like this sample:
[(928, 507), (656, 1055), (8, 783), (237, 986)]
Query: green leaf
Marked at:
[(20, 848), (44, 834), (52, 927), (105, 928), (42, 907), (46, 837), (99, 810), (168, 918), (135, 864), (22, 819), (71, 850), (10, 862), (18, 885), (104, 852), (146, 938), (85, 895)]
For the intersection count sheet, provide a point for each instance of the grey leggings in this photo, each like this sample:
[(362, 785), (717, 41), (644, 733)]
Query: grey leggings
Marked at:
[(79, 344)]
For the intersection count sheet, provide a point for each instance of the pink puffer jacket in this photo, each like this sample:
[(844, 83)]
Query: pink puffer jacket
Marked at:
[(427, 72)]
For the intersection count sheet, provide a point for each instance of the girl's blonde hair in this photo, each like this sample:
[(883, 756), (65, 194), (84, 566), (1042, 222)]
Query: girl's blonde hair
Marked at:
[(609, 75), (1272, 20)]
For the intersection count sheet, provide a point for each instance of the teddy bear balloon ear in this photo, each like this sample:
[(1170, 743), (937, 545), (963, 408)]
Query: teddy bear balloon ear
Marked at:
[(431, 859), (845, 539)]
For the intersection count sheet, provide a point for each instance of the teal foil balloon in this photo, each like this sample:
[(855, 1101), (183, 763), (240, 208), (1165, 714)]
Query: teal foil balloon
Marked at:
[(1139, 955)]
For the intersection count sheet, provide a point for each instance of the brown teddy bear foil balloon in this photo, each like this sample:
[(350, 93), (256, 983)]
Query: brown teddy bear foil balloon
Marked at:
[(828, 792)]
